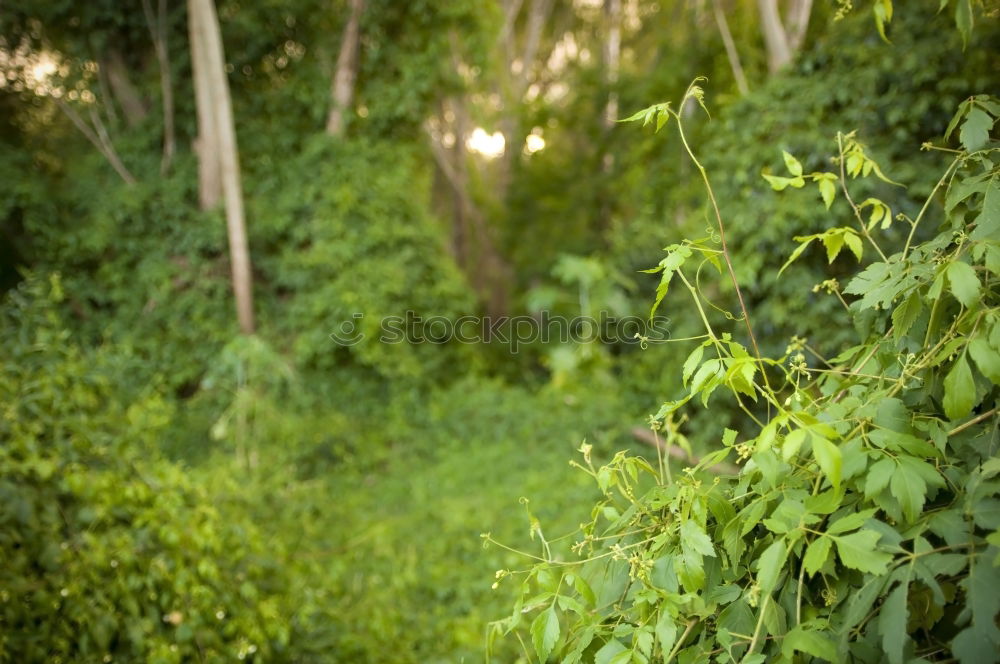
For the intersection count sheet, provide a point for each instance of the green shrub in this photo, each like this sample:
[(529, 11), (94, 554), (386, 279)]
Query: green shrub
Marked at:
[(864, 521), (110, 553)]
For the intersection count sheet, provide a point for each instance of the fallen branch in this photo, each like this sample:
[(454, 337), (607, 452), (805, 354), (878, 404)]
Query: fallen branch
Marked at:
[(674, 452)]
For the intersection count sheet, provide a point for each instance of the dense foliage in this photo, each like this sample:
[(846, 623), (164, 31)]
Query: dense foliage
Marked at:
[(175, 488), (863, 524)]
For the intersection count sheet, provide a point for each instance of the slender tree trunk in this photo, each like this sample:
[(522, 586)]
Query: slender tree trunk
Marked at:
[(342, 89), (781, 41), (798, 23), (205, 31), (612, 58), (206, 144), (98, 137), (158, 33), (124, 92), (775, 39), (731, 53)]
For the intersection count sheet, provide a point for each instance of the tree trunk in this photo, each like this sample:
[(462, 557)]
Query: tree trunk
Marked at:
[(612, 58), (775, 40), (798, 23), (206, 145), (158, 32), (731, 53), (783, 42), (207, 44), (342, 89), (124, 92)]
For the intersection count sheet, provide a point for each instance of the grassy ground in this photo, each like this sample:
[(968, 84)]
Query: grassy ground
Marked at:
[(386, 541)]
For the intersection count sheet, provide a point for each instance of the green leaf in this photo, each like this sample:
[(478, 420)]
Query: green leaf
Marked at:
[(854, 244), (676, 255), (610, 650), (584, 589), (810, 642), (691, 363), (779, 183), (833, 242), (816, 554), (909, 488), (770, 564), (795, 254), (986, 358), (666, 630), (850, 522), (694, 538), (963, 21), (878, 477), (858, 551), (892, 623), (793, 441), (988, 220), (959, 390), (979, 642), (828, 457), (827, 190), (963, 282), (976, 128), (545, 632), (792, 164), (883, 14), (906, 314)]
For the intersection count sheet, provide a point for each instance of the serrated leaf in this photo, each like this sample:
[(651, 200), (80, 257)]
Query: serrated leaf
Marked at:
[(850, 522), (963, 21), (878, 477), (792, 443), (694, 538), (792, 164), (779, 183), (986, 358), (545, 632), (584, 589), (959, 390), (855, 245), (770, 564), (892, 623), (691, 363), (666, 631), (827, 190), (609, 651), (909, 488), (833, 242), (858, 551), (963, 282), (882, 9), (978, 643), (811, 642), (905, 315), (828, 457), (795, 254), (988, 220), (976, 128), (816, 554)]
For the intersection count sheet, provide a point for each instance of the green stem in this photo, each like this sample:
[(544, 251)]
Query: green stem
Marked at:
[(725, 248)]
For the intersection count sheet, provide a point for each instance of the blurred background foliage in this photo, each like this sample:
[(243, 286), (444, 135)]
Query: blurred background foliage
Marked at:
[(172, 490)]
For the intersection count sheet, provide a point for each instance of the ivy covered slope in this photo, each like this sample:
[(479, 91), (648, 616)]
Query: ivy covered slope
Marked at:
[(862, 521)]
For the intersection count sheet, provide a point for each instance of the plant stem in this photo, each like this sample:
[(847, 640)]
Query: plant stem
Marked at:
[(725, 248), (756, 630), (913, 227), (850, 201)]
